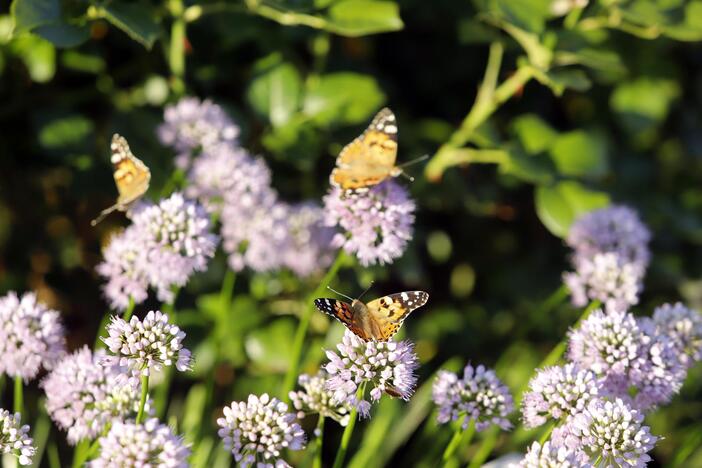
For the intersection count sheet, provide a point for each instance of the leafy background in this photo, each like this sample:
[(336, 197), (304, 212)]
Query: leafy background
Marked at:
[(576, 112)]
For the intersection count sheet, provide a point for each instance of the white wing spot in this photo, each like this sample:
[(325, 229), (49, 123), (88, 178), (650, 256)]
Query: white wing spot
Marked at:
[(391, 129)]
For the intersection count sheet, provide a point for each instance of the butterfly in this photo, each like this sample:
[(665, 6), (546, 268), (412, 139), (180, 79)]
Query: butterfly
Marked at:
[(379, 319), (131, 175), (370, 158)]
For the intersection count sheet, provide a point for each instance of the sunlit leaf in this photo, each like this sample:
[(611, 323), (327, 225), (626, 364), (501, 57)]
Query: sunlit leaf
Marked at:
[(346, 98), (579, 153), (135, 19), (361, 17), (275, 92), (559, 205)]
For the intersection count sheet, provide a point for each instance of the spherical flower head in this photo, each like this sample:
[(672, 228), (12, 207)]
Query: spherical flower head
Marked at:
[(316, 398), (192, 124), (309, 248), (385, 366), (479, 396), (683, 326), (558, 392), (605, 277), (258, 430), (549, 455), (82, 396), (227, 173), (125, 269), (376, 225), (611, 433), (141, 445), (146, 346), (31, 336), (616, 229), (14, 438), (254, 232)]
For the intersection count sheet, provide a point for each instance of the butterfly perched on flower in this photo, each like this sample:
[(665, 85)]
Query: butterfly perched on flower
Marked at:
[(370, 158), (379, 319), (131, 175)]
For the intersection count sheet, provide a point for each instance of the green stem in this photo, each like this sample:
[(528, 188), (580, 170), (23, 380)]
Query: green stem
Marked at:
[(287, 18), (547, 433), (80, 453), (485, 448), (301, 332), (53, 455), (457, 438), (225, 294), (142, 401), (317, 462), (130, 310), (176, 51), (19, 396), (489, 98), (555, 355), (348, 431), (102, 331), (551, 302)]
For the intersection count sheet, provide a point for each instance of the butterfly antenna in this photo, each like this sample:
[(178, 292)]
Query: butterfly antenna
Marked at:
[(340, 294), (103, 214), (367, 289), (414, 161)]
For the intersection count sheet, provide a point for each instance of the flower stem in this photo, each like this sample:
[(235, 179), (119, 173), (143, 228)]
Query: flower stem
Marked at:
[(176, 50), (485, 448), (80, 453), (301, 332), (547, 433), (348, 431), (458, 438), (130, 310), (19, 396), (555, 355), (317, 462), (142, 401), (225, 294)]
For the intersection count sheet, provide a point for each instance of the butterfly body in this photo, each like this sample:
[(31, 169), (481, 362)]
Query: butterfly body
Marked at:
[(370, 158), (131, 176), (379, 319)]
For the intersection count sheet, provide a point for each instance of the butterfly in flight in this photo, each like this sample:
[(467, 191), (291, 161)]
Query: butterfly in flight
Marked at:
[(131, 175), (379, 319), (369, 159)]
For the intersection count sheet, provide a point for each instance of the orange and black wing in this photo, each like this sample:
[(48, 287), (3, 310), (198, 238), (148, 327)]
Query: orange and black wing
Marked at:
[(341, 311), (131, 175), (388, 312)]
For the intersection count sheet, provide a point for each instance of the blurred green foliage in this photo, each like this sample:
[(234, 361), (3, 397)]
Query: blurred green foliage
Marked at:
[(530, 118)]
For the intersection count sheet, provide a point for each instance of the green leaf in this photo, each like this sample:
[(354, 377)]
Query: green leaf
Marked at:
[(29, 14), (525, 14), (580, 154), (64, 132), (534, 134), (269, 347), (64, 35), (559, 205), (361, 17), (643, 103), (275, 92), (135, 19), (345, 98), (38, 55)]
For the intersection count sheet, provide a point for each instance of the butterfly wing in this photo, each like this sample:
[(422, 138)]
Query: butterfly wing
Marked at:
[(370, 158), (343, 312), (131, 175), (387, 313)]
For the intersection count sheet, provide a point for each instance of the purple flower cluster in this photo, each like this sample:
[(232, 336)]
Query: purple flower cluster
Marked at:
[(15, 439), (388, 367), (31, 336), (376, 224), (551, 456), (478, 396), (165, 244), (141, 445), (316, 398), (610, 257), (83, 396), (259, 231), (144, 346), (258, 430)]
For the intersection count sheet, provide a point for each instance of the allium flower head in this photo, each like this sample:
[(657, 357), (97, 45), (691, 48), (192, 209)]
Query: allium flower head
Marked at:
[(610, 257), (227, 174), (558, 392), (144, 445), (607, 278), (376, 225), (14, 438), (192, 124), (479, 395), (611, 434), (125, 268), (82, 396), (258, 430), (309, 248), (145, 346), (388, 367), (317, 399), (683, 326), (31, 336), (552, 456)]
